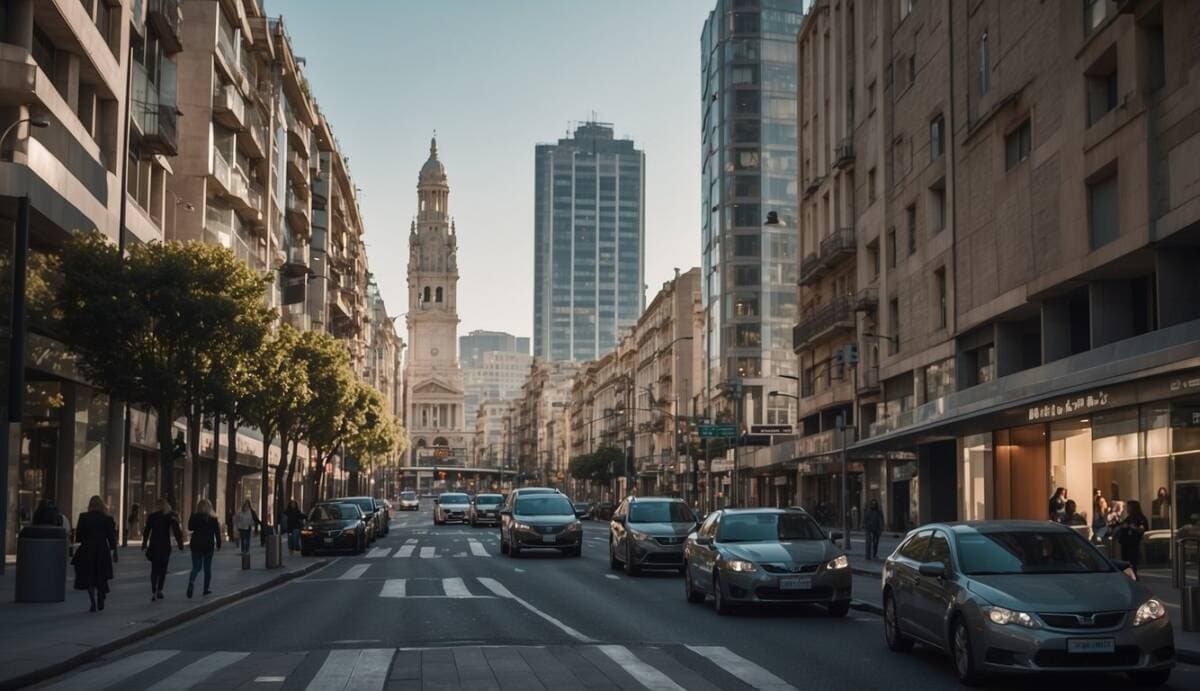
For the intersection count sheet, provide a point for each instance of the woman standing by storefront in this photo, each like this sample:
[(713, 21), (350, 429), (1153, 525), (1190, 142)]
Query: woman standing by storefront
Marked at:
[(1130, 532)]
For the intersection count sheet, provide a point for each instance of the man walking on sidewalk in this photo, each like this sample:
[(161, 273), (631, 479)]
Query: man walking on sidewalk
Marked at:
[(873, 526), (206, 535)]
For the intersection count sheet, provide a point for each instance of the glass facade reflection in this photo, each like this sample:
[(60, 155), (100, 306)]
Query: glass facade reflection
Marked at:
[(589, 240), (748, 147)]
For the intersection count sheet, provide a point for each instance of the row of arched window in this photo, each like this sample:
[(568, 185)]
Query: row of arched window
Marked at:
[(429, 296)]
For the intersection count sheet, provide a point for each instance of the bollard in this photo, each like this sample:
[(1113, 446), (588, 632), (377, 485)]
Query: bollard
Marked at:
[(1189, 591), (41, 564)]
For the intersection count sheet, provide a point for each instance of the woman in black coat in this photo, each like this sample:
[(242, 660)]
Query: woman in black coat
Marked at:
[(156, 537), (206, 535), (96, 533)]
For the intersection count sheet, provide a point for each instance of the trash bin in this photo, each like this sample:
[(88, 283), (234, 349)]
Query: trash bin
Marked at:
[(1189, 590), (42, 564), (274, 549)]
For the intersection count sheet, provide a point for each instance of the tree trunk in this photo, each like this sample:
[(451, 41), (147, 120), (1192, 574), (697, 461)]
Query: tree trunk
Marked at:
[(264, 490), (314, 479), (280, 471), (233, 501), (194, 420), (289, 486), (166, 448)]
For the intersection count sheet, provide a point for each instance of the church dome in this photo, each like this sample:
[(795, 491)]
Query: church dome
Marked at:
[(433, 171)]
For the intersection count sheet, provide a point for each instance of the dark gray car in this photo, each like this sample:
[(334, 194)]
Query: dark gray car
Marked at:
[(1022, 596), (649, 532)]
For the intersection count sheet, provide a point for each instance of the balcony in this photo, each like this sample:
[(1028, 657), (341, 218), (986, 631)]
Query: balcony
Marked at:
[(253, 137), (157, 121), (298, 212), (866, 299), (221, 172), (838, 245), (228, 107), (808, 269), (295, 260), (297, 168), (824, 443), (18, 76), (166, 16), (297, 133), (813, 185), (843, 155), (823, 322)]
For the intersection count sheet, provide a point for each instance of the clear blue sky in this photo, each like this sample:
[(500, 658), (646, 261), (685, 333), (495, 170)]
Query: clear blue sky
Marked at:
[(494, 78)]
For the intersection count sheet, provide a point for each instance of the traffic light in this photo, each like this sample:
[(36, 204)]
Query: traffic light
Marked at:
[(852, 353)]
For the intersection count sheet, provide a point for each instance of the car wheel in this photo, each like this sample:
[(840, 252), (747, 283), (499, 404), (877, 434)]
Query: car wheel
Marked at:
[(613, 562), (694, 596), (896, 641), (631, 569), (838, 609), (719, 602), (964, 659), (1156, 677)]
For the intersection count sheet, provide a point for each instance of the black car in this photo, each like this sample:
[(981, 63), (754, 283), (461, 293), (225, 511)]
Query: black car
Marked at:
[(384, 510), (371, 514), (540, 521), (583, 509), (334, 527)]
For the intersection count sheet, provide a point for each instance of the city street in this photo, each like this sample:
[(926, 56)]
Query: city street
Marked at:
[(439, 607)]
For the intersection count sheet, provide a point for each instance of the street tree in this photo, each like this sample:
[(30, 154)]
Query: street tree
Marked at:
[(329, 414)]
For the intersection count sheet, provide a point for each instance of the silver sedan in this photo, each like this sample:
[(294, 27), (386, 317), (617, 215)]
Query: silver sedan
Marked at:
[(1022, 596)]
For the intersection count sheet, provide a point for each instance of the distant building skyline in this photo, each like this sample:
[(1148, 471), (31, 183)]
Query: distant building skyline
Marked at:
[(494, 365), (589, 242), (473, 345)]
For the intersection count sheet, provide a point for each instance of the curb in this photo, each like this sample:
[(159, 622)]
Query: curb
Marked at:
[(59, 668), (866, 607)]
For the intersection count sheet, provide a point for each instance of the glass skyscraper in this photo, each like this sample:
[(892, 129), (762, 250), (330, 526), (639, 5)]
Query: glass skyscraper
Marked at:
[(589, 243), (748, 153)]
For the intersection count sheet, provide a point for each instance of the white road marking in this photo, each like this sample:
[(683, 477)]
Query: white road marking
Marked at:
[(741, 668), (198, 671), (353, 669), (108, 675), (647, 676), (405, 551), (378, 552), (394, 587), (269, 680), (518, 570), (609, 575), (498, 589), (429, 552), (411, 541), (455, 588), (477, 548), (354, 572)]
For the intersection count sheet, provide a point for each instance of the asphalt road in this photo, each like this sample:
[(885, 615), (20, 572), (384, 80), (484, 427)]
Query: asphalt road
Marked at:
[(440, 607)]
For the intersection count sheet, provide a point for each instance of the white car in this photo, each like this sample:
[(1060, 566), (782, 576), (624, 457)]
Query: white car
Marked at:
[(451, 506), (409, 501)]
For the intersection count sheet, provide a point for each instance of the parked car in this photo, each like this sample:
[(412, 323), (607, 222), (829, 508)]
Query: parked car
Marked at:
[(583, 510), (370, 514), (765, 556), (603, 511), (544, 520), (409, 501), (1022, 596), (334, 527), (649, 532), (485, 508), (384, 511), (450, 506)]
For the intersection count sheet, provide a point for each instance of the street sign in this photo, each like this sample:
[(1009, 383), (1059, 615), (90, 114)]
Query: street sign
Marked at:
[(721, 465), (772, 429), (717, 431)]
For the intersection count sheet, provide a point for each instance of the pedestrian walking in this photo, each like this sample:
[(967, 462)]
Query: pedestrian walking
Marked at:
[(206, 536), (47, 513), (96, 533), (1058, 504), (245, 521), (133, 525), (156, 543), (1130, 532), (295, 521), (873, 526)]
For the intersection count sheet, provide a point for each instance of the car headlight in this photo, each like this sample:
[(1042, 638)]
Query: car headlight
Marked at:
[(575, 526), (1003, 616), (306, 531), (520, 526), (839, 562), (639, 536), (739, 566), (1148, 612)]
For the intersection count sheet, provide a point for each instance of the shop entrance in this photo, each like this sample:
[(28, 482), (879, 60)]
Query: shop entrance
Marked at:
[(1022, 480)]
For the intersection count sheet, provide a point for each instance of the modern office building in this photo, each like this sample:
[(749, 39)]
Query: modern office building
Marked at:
[(748, 195), (589, 242), (472, 346), (494, 365)]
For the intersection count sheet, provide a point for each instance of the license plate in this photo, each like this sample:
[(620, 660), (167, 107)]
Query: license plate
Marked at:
[(327, 540), (549, 538), (795, 583), (1090, 646)]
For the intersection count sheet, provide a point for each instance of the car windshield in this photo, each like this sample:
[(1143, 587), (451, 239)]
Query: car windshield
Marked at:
[(334, 512), (367, 504), (544, 505), (768, 527), (453, 499), (1027, 552), (488, 500), (408, 495), (661, 512)]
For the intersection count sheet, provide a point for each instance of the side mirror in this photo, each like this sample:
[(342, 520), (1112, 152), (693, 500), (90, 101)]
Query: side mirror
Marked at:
[(704, 540), (836, 535), (932, 569)]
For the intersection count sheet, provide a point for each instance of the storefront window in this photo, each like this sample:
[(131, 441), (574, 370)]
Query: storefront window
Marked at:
[(1071, 462), (1185, 448), (975, 477)]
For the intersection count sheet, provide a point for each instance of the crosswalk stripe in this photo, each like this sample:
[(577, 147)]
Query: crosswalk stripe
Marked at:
[(372, 668), (428, 552), (198, 671), (352, 669), (394, 587), (741, 668), (647, 676), (477, 548), (354, 572), (411, 541), (108, 675), (455, 588), (405, 551), (378, 552)]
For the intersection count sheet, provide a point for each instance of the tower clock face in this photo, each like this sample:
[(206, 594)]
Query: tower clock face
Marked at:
[(433, 352)]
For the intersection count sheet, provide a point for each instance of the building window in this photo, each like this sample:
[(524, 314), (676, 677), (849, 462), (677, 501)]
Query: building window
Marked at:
[(912, 69), (983, 63), (873, 258), (1102, 86), (426, 294), (1156, 57), (439, 295), (891, 248), (1017, 145), (937, 135), (893, 326), (910, 221), (1094, 14), (1102, 210), (939, 287), (937, 208)]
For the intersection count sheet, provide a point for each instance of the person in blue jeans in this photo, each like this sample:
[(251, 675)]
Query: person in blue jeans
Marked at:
[(206, 538), (245, 521), (295, 521)]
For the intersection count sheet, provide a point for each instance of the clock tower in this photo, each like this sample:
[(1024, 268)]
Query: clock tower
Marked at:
[(433, 380)]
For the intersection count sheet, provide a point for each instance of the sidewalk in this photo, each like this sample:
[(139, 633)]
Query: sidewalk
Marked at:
[(1157, 581), (38, 641)]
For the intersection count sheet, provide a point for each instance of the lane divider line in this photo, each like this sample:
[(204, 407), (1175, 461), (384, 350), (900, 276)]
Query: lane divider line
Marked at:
[(499, 590)]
